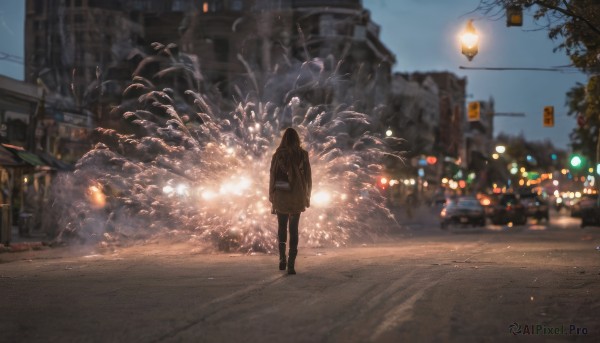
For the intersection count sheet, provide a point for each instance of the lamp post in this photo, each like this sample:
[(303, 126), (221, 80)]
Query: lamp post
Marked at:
[(469, 41)]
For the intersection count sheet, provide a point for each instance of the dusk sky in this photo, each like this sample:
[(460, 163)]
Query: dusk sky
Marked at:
[(423, 34)]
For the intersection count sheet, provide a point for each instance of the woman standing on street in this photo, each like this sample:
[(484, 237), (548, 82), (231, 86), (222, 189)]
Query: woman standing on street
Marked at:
[(290, 184)]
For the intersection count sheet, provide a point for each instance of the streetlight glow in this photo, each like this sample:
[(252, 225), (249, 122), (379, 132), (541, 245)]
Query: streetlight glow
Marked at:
[(501, 149), (469, 41)]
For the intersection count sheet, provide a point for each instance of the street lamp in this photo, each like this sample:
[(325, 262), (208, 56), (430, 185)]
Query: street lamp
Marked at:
[(501, 149), (388, 132), (469, 40)]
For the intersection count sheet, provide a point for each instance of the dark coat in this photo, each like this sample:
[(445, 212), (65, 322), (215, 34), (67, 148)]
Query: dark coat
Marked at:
[(298, 174)]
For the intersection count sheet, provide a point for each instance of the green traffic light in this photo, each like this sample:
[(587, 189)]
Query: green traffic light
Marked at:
[(576, 161)]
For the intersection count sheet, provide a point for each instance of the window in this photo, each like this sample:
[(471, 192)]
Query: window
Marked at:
[(216, 5), (139, 5), (178, 6), (221, 46), (212, 6), (237, 5), (17, 130), (39, 6), (327, 25)]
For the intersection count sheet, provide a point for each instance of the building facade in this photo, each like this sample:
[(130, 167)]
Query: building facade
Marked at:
[(243, 43), (414, 113), (85, 49), (26, 169), (479, 143)]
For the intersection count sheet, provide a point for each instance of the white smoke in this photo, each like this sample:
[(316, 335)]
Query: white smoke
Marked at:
[(202, 173)]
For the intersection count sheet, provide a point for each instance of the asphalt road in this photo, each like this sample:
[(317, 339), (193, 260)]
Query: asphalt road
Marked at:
[(418, 285)]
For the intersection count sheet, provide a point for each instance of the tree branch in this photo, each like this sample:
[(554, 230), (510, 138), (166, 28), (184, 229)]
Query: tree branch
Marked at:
[(568, 12)]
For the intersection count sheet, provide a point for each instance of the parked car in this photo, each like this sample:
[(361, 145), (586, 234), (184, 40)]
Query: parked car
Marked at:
[(578, 204), (508, 209), (589, 210), (535, 206), (462, 211)]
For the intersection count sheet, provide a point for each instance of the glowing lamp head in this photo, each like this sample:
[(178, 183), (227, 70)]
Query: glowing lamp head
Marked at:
[(469, 40), (388, 133)]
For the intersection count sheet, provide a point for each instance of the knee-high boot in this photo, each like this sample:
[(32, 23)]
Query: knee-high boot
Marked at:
[(282, 256), (292, 261)]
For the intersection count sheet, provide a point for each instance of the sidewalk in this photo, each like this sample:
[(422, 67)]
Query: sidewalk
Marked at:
[(34, 241)]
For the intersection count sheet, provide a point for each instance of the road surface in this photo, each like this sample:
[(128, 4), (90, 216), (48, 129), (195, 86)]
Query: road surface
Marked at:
[(420, 284)]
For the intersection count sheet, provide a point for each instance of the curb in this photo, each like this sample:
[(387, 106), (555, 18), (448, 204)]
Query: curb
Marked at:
[(23, 246)]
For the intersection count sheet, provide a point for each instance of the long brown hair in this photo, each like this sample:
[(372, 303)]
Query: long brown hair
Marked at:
[(290, 140), (290, 144)]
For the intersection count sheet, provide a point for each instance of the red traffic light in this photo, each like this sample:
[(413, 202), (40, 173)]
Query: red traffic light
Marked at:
[(431, 160)]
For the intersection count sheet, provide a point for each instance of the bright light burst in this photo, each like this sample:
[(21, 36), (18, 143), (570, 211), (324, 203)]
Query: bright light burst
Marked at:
[(321, 199), (206, 176)]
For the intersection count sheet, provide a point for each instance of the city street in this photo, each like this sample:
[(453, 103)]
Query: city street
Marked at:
[(418, 284), (152, 151)]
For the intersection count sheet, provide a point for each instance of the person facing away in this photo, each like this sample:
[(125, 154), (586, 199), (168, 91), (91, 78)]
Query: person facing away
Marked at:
[(289, 163)]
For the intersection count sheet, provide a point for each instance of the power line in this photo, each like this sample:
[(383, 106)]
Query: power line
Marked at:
[(558, 69), (10, 58), (509, 114)]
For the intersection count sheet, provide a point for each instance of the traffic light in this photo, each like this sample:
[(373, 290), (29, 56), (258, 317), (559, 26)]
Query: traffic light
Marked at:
[(514, 16), (576, 161), (548, 116), (474, 111)]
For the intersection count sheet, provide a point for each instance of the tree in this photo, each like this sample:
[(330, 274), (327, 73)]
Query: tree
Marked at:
[(583, 102), (574, 24)]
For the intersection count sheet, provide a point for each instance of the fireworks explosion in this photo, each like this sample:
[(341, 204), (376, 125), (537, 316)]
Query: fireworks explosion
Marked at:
[(202, 174)]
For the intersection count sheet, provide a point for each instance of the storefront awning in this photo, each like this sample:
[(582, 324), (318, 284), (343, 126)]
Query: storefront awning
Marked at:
[(16, 156), (9, 159), (31, 158), (28, 158)]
